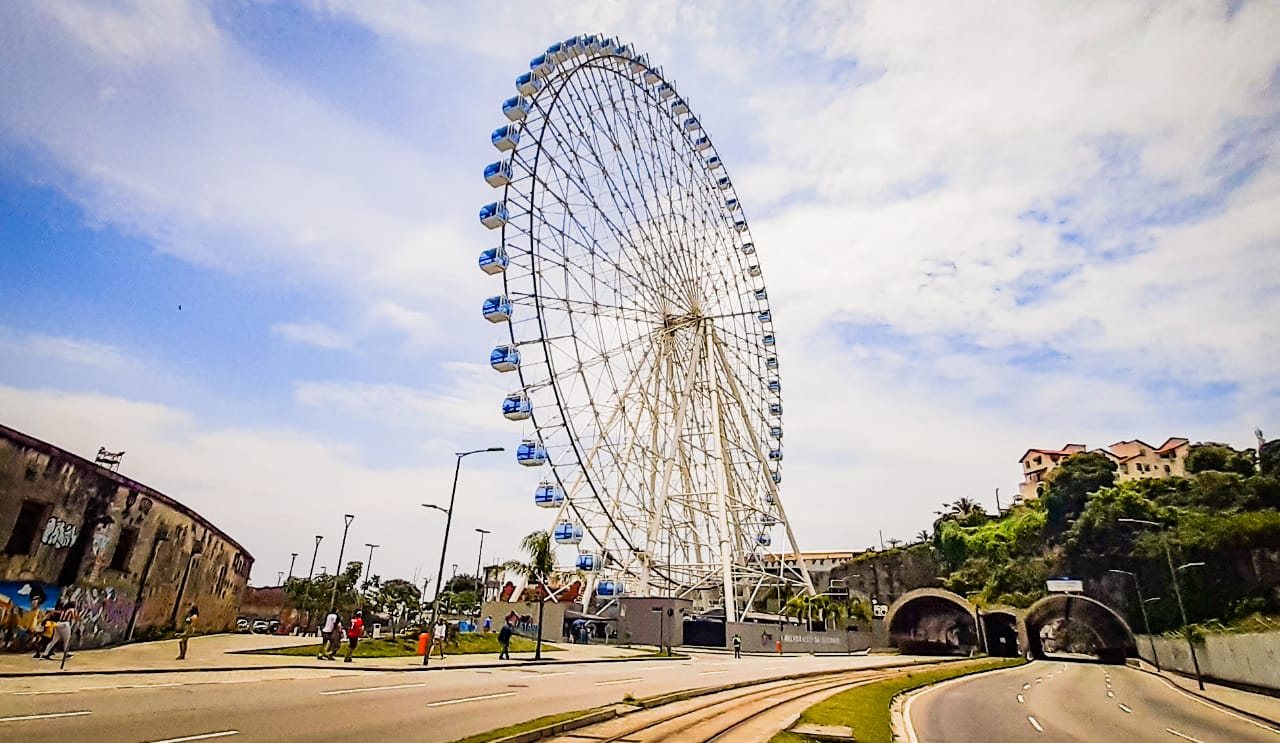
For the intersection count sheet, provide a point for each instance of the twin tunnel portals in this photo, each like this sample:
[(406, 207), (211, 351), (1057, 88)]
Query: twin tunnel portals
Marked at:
[(932, 621)]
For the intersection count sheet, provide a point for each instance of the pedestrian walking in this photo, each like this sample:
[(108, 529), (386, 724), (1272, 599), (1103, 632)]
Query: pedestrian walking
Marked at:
[(331, 626), (354, 632), (488, 625), (438, 636), (504, 637), (188, 629), (64, 616), (737, 646)]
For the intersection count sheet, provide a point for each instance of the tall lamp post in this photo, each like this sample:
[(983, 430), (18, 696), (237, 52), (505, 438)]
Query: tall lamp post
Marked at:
[(1142, 604), (480, 559), (444, 544), (337, 572), (1177, 590), (368, 566), (292, 557), (306, 599)]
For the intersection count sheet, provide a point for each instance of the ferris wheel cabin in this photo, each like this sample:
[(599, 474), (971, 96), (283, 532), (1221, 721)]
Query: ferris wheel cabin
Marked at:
[(701, 143), (764, 540), (768, 519), (766, 316), (761, 294), (530, 453), (516, 407), (713, 162), (732, 205), (776, 432), (494, 260), (505, 358), (541, 66), (724, 183), (528, 85), (496, 309), (567, 532), (588, 562), (609, 588), (777, 480), (775, 455), (494, 215), (498, 174), (771, 362), (775, 408), (774, 385), (548, 495), (769, 340), (505, 138), (679, 107), (516, 108)]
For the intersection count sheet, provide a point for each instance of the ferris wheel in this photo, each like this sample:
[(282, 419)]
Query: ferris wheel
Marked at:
[(640, 346)]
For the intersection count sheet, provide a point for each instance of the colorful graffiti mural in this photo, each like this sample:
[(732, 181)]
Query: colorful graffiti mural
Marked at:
[(23, 605), (104, 615), (59, 534)]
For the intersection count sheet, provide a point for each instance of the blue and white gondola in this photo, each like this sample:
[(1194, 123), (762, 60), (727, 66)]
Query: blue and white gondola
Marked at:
[(496, 309), (752, 270), (548, 495), (777, 480), (701, 143), (528, 84), (505, 358), (761, 294), (587, 562), (498, 174), (679, 107), (541, 66), (741, 226), (714, 162), (775, 455), (771, 362), (764, 540), (732, 205), (610, 588), (724, 183), (494, 215), (776, 432), (775, 386), (516, 108), (531, 453), (567, 532), (494, 260), (516, 407), (505, 138), (775, 408), (766, 316), (769, 339)]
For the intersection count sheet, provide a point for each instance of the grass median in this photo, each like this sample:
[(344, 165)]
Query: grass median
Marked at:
[(866, 708), (467, 644)]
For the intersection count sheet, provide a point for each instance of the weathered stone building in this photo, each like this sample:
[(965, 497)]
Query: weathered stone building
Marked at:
[(130, 557)]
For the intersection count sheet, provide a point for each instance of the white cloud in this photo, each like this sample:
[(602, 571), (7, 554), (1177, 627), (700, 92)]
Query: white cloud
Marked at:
[(60, 349), (314, 334)]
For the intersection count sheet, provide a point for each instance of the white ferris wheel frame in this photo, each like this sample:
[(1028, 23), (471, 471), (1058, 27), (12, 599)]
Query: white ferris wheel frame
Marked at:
[(643, 334)]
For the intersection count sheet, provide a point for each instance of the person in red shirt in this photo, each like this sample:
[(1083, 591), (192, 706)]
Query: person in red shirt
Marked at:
[(354, 633)]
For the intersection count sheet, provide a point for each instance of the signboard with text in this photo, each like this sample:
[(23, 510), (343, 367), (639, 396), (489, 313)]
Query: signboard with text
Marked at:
[(1065, 585)]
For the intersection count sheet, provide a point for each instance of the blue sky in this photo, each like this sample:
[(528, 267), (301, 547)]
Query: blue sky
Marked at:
[(978, 237)]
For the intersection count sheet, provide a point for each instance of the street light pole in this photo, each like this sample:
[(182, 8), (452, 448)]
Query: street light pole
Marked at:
[(292, 557), (1142, 604), (311, 573), (337, 572), (480, 559), (1177, 591), (444, 544), (368, 566)]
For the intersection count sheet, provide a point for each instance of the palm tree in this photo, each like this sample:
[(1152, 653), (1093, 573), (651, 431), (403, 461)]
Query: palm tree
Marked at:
[(922, 536), (893, 542), (963, 507), (542, 562), (798, 606)]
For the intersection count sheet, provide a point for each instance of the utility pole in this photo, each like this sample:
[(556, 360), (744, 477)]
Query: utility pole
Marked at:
[(337, 572), (368, 566), (292, 556), (1177, 590), (306, 599), (480, 559)]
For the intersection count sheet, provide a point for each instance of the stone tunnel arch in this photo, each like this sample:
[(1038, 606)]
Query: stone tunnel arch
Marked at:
[(1111, 639), (932, 621), (1000, 631)]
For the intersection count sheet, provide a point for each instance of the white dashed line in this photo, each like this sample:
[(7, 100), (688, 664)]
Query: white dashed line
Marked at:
[(1184, 736), (472, 699), (618, 681), (1110, 694), (708, 673), (371, 688), (1026, 686), (1020, 699), (48, 716), (1035, 724), (549, 675), (202, 736), (1126, 710)]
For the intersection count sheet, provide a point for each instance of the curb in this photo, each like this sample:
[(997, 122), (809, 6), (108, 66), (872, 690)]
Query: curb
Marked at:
[(1274, 724), (345, 667), (899, 706)]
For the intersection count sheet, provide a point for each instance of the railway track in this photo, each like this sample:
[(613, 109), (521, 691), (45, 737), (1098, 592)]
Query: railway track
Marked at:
[(746, 714)]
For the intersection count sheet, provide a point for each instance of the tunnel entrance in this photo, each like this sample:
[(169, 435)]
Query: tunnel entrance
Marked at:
[(1077, 627), (933, 622), (1001, 631)]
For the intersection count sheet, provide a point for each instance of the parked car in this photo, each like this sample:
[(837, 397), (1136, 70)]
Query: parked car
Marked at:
[(242, 624), (261, 625)]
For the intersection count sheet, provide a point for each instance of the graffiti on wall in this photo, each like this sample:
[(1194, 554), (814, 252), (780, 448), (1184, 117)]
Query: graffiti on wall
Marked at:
[(59, 534), (23, 605), (104, 614)]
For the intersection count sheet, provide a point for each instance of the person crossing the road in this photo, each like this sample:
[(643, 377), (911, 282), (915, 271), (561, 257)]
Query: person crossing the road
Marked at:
[(354, 632), (332, 625)]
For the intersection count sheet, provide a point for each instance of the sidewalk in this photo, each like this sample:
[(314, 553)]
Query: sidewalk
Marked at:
[(227, 653), (1258, 705)]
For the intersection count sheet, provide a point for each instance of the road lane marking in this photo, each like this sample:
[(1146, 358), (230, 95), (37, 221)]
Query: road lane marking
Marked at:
[(1035, 724), (202, 736), (364, 689), (93, 688), (1026, 686), (919, 694), (708, 673), (549, 675), (618, 681), (1110, 694), (1184, 736), (48, 716), (1126, 710), (1020, 699), (472, 699)]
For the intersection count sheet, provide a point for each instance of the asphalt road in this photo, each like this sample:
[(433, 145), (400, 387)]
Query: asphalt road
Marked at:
[(1062, 701), (359, 706)]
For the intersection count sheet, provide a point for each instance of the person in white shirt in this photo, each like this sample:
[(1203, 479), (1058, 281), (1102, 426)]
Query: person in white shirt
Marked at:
[(331, 627), (438, 636)]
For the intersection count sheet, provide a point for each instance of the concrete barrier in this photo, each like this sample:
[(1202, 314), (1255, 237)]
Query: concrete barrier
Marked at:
[(1249, 660)]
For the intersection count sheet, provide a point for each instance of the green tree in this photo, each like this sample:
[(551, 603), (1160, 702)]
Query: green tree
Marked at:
[(1068, 486), (400, 599), (1211, 457), (1269, 458), (537, 570)]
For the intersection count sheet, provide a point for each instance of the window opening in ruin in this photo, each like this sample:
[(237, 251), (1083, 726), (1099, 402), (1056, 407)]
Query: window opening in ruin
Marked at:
[(25, 529), (124, 549)]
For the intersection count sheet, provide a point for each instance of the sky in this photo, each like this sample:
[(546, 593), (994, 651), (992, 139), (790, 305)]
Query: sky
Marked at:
[(238, 241)]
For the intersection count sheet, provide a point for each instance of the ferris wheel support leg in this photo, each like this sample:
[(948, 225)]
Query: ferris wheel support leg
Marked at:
[(669, 458), (768, 479), (722, 495)]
